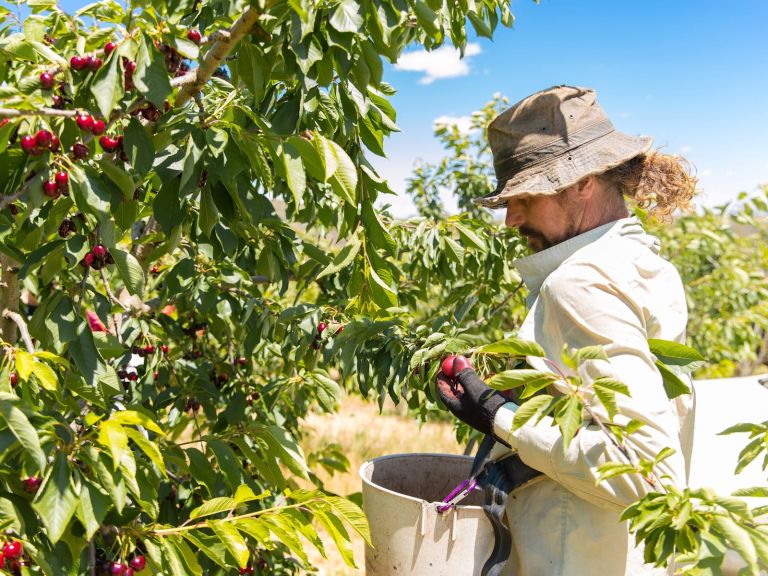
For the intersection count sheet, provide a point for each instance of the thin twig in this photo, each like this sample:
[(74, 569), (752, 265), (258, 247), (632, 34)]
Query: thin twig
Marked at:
[(16, 317), (201, 109), (495, 310), (110, 294), (13, 113)]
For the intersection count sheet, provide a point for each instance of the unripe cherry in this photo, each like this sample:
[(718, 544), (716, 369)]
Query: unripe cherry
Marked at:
[(44, 138), (99, 127), (84, 122), (109, 47), (453, 365), (47, 80), (194, 35), (78, 62)]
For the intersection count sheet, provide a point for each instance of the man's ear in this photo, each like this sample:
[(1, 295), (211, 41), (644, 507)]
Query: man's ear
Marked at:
[(586, 187)]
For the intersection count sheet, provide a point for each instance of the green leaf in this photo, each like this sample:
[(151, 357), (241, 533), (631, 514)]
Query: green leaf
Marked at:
[(214, 506), (426, 17), (138, 146), (244, 493), (46, 376), (294, 171), (336, 529), (673, 384), (113, 438), (57, 501), (151, 75), (589, 353), (568, 418), (613, 469), (208, 545), (607, 398), (92, 507), (611, 384), (24, 363), (327, 391), (107, 86), (227, 461), (676, 354), (148, 447), (137, 419), (209, 214), (118, 176), (344, 179), (343, 259), (21, 428), (515, 378), (533, 407), (326, 151), (232, 539), (130, 271), (739, 539), (742, 428), (353, 515), (347, 17), (513, 347), (90, 194)]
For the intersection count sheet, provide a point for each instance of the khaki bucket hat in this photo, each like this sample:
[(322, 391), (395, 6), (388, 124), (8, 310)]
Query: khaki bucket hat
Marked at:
[(551, 140)]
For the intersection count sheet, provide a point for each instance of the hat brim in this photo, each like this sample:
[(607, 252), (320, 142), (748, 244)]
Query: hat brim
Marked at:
[(554, 175)]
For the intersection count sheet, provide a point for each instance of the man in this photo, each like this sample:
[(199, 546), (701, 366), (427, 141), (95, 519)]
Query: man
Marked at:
[(594, 278)]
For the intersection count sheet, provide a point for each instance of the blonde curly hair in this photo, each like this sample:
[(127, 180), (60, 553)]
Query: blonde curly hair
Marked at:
[(659, 182)]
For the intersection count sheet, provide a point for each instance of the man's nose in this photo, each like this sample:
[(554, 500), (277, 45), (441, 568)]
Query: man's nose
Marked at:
[(515, 214)]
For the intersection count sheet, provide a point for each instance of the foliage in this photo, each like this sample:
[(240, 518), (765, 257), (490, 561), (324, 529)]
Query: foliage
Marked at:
[(210, 267)]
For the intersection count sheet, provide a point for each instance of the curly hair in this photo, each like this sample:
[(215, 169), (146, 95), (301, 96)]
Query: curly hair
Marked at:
[(661, 182)]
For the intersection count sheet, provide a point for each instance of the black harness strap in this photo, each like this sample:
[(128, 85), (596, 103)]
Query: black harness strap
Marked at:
[(498, 478)]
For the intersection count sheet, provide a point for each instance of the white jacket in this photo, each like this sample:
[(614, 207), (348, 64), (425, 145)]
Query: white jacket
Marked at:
[(608, 286)]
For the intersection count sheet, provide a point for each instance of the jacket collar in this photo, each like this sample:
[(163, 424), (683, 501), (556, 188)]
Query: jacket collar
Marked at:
[(537, 267)]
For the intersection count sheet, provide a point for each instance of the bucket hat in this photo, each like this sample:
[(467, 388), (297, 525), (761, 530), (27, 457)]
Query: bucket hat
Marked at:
[(551, 140)]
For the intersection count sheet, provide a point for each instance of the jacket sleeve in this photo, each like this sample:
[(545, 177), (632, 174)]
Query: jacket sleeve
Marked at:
[(586, 307)]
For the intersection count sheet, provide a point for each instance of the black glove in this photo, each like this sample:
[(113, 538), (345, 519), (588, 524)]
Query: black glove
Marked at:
[(470, 399)]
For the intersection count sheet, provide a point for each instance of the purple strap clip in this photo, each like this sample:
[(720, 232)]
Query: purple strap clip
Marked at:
[(457, 495)]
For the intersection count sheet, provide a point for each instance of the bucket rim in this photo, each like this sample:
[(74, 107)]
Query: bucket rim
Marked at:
[(368, 463)]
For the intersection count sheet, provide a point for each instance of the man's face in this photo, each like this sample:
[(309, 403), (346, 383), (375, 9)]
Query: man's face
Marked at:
[(545, 220)]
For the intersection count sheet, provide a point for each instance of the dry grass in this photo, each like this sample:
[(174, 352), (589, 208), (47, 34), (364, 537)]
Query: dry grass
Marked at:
[(364, 434)]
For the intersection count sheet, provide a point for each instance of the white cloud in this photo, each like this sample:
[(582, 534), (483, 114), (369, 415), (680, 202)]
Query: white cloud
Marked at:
[(463, 123), (445, 62)]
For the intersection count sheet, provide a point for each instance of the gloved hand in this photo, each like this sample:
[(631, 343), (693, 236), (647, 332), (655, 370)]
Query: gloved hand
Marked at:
[(470, 399)]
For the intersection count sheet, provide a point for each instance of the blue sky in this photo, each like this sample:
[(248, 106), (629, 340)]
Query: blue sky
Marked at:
[(692, 74)]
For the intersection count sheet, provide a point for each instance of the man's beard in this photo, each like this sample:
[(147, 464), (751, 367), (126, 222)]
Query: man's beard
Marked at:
[(537, 242)]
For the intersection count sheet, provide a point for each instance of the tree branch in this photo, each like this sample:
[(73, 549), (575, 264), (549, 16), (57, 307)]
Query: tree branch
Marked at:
[(13, 113), (16, 317), (215, 57)]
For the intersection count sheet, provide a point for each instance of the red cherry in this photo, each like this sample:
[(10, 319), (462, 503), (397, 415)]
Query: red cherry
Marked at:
[(242, 361), (339, 330), (13, 549), (62, 179), (99, 127), (246, 570), (99, 251), (88, 260), (2, 561), (51, 189), (94, 62), (138, 563), (28, 144), (44, 138), (80, 150), (223, 378), (117, 568), (64, 228), (78, 62), (194, 35), (47, 80), (453, 365), (109, 47), (14, 378), (164, 348), (133, 376), (13, 209), (149, 349), (31, 484), (55, 143), (84, 122), (130, 66), (321, 326), (58, 101), (128, 572), (109, 144)]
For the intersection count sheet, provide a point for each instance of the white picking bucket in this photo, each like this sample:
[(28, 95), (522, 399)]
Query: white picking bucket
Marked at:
[(410, 538)]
